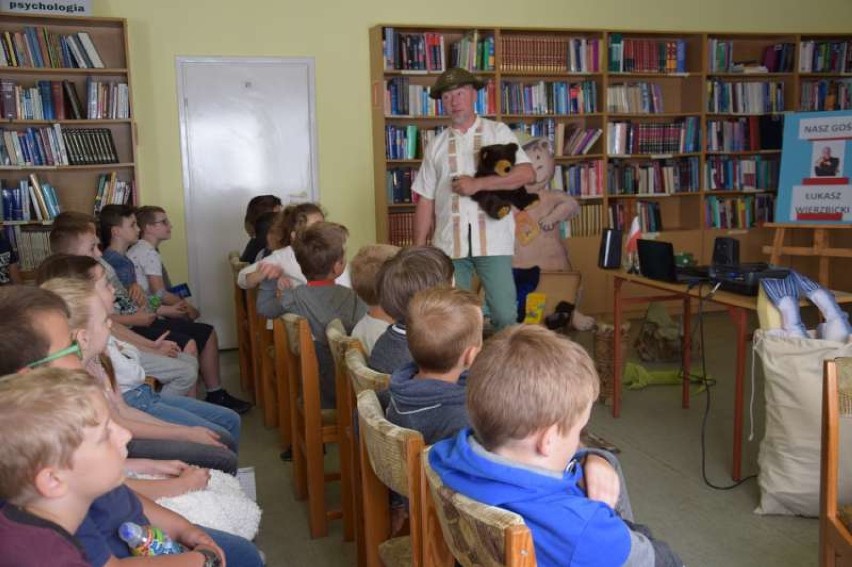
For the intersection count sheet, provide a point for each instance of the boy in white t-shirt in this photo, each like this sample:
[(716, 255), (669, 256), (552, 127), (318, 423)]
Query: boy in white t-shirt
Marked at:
[(365, 270), (151, 275)]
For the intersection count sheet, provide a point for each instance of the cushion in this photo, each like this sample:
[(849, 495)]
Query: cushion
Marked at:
[(789, 457), (396, 552)]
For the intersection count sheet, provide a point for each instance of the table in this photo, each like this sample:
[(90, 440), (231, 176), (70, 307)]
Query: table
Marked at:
[(737, 306)]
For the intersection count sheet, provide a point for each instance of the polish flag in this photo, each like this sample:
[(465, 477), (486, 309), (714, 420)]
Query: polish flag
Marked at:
[(634, 235)]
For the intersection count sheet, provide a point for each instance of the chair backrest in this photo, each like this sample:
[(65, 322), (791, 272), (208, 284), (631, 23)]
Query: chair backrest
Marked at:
[(362, 376), (390, 456), (339, 342), (477, 534), (305, 382), (835, 516)]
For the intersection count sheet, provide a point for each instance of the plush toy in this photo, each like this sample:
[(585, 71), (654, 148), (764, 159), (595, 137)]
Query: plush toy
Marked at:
[(537, 237), (498, 159)]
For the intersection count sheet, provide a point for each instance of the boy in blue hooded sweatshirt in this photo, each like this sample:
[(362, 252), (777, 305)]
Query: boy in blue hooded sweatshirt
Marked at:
[(529, 394)]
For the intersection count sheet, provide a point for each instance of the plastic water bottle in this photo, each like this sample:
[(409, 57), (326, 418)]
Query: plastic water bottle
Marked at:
[(147, 541)]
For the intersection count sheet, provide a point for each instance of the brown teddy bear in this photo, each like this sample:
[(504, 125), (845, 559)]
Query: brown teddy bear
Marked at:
[(498, 159)]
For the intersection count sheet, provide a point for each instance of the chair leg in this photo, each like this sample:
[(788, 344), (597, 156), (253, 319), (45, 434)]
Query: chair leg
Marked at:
[(300, 467), (316, 486), (346, 486)]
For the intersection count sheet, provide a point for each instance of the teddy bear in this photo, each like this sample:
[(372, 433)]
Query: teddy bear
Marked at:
[(498, 159), (537, 237)]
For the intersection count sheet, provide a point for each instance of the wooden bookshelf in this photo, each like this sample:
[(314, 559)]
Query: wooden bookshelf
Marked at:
[(667, 90), (109, 108)]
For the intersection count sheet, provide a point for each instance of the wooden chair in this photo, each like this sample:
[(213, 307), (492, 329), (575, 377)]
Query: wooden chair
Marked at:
[(242, 325), (340, 342), (286, 368), (361, 378), (311, 427), (835, 532), (390, 457), (262, 354), (476, 534)]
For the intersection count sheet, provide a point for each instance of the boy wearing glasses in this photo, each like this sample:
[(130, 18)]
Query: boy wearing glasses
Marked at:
[(151, 275)]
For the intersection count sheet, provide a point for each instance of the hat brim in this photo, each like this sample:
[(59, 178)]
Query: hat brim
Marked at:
[(436, 91)]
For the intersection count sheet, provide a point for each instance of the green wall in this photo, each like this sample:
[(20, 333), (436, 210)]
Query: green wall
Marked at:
[(335, 33)]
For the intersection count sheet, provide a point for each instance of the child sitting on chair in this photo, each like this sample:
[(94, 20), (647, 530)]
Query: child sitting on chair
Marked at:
[(321, 253), (365, 281), (530, 393)]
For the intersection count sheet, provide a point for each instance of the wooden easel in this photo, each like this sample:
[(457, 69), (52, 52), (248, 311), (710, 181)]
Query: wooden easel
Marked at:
[(820, 247)]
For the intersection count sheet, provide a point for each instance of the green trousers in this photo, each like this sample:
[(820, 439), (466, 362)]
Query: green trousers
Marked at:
[(495, 273)]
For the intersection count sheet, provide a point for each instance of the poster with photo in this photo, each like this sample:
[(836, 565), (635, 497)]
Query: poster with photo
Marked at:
[(814, 185)]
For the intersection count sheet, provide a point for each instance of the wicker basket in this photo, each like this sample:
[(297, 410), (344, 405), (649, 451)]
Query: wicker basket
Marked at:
[(844, 399), (603, 356)]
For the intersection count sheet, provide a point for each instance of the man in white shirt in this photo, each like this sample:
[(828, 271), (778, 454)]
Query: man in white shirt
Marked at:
[(445, 182)]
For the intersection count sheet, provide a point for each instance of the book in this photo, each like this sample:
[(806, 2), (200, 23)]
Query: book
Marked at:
[(89, 48)]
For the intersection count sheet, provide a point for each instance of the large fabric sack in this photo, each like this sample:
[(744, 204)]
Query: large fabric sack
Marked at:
[(789, 457)]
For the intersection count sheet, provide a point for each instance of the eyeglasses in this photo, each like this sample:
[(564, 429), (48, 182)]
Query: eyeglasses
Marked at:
[(165, 222), (73, 349)]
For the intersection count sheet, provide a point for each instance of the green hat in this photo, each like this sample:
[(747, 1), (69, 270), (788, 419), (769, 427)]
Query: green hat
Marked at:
[(453, 79)]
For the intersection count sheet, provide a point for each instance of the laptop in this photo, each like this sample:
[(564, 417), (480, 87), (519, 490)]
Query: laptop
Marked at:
[(657, 262)]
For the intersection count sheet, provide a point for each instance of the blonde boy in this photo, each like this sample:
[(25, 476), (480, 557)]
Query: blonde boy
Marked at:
[(364, 270), (444, 336), (530, 393), (60, 452)]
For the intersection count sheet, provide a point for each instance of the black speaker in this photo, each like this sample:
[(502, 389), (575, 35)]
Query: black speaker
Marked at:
[(726, 251), (609, 256)]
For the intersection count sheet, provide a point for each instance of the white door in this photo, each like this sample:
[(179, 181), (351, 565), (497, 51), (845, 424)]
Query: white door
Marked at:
[(247, 128)]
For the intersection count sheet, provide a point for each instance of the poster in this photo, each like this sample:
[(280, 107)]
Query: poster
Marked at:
[(816, 165)]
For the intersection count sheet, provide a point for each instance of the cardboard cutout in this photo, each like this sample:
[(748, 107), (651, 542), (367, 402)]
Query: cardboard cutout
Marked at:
[(538, 240)]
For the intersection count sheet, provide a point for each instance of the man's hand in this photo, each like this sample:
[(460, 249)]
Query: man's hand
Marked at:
[(602, 482), (172, 311), (465, 185), (202, 436)]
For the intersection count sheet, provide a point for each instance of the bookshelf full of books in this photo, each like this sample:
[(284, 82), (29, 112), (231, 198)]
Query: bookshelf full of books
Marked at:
[(67, 142), (682, 129)]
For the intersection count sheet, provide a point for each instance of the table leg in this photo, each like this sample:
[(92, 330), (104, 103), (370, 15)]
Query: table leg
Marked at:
[(738, 315), (687, 348), (616, 345)]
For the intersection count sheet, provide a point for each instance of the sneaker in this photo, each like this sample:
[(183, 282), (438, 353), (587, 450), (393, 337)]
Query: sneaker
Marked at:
[(286, 455), (223, 398)]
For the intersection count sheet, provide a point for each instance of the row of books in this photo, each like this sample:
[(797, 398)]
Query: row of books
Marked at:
[(541, 128), (398, 182), (112, 191), (549, 54), (50, 146), (739, 212), (409, 141), (831, 56), (582, 179), (745, 134), (32, 245), (413, 51), (748, 97), (628, 138), (776, 58), (39, 47), (575, 140), (628, 55), (549, 97), (405, 99), (653, 177), (58, 100), (826, 95), (620, 215), (473, 52), (634, 98), (29, 200), (586, 223), (741, 174), (401, 228)]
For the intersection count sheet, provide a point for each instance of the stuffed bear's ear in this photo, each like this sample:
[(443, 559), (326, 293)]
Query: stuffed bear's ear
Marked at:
[(513, 147)]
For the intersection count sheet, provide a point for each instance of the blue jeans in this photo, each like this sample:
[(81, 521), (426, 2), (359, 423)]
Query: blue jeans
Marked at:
[(495, 272), (187, 411), (239, 552)]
